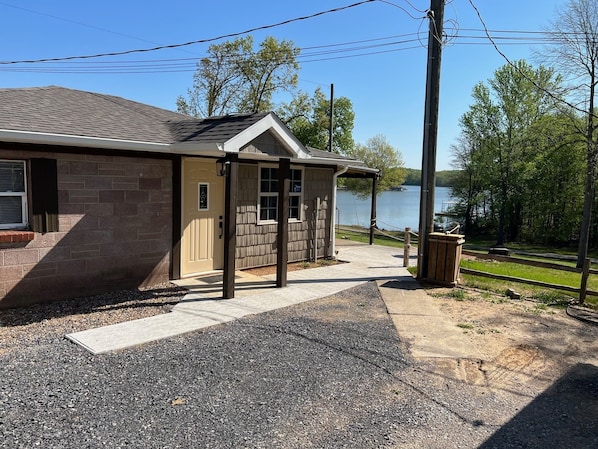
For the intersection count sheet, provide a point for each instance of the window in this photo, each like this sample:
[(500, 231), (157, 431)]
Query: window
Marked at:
[(42, 213), (268, 201), (203, 196), (13, 195)]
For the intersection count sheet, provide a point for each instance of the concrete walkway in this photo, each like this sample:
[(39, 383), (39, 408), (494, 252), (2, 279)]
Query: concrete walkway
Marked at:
[(419, 322)]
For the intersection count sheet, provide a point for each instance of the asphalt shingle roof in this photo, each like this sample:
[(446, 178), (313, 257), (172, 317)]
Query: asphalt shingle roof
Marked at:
[(215, 129), (59, 110)]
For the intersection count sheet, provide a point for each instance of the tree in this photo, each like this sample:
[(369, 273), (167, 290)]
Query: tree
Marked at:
[(309, 119), (575, 54), (377, 153), (233, 78), (496, 128)]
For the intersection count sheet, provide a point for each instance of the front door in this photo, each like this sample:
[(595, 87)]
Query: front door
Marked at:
[(202, 246)]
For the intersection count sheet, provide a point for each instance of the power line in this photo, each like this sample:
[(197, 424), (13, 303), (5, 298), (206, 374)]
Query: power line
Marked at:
[(199, 41), (308, 54), (76, 22), (514, 66)]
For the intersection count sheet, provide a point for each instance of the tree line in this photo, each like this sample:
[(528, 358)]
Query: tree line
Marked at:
[(528, 149), (444, 178)]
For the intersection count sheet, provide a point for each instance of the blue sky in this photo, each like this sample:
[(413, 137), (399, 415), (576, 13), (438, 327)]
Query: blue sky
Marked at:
[(381, 68)]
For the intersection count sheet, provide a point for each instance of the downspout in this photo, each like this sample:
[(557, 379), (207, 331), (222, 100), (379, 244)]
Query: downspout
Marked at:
[(343, 170)]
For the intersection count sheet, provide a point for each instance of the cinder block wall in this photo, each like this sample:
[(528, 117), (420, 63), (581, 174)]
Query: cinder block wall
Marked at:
[(115, 231)]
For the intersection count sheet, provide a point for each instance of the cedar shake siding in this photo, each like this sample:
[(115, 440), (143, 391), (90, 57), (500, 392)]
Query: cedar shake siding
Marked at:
[(256, 243), (114, 226)]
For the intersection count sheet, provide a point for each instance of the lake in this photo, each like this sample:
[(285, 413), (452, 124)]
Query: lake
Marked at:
[(395, 210)]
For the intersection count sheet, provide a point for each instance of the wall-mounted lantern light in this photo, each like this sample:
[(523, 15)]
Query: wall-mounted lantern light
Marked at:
[(222, 167)]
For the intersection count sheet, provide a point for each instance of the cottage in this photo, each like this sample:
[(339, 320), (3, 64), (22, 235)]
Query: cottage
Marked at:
[(99, 193)]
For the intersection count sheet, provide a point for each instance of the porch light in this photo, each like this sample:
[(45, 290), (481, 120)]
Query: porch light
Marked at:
[(222, 167)]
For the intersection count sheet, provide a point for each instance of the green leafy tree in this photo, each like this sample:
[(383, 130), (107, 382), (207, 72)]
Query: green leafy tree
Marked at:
[(309, 119), (575, 54), (235, 78), (554, 198), (496, 126), (380, 154)]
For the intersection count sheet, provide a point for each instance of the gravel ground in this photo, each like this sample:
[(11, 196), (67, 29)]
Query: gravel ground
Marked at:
[(330, 373)]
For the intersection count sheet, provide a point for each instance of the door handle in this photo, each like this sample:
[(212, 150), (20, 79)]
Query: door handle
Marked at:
[(221, 226)]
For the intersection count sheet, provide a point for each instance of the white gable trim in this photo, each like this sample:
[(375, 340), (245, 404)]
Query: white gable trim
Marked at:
[(269, 123)]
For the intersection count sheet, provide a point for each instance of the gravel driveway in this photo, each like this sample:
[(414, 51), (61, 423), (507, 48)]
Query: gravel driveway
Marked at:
[(329, 373)]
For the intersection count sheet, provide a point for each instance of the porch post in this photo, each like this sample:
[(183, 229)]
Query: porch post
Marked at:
[(282, 240), (230, 225), (373, 211)]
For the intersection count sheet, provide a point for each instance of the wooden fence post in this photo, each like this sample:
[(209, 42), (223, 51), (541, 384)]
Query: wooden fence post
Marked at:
[(406, 247), (584, 280)]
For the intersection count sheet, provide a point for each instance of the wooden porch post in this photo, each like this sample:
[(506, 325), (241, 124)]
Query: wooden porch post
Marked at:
[(373, 211), (282, 240), (230, 225)]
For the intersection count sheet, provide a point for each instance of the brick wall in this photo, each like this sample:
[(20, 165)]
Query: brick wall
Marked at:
[(115, 221)]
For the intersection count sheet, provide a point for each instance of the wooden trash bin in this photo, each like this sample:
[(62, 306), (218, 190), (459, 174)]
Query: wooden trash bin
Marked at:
[(444, 258)]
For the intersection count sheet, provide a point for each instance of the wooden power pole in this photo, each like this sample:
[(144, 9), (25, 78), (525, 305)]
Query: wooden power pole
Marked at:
[(331, 128), (428, 181)]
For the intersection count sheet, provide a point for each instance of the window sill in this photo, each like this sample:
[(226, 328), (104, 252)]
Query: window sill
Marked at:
[(273, 222), (16, 236)]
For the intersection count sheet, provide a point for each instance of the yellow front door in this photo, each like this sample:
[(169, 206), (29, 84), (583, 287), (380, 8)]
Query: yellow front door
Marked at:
[(202, 246)]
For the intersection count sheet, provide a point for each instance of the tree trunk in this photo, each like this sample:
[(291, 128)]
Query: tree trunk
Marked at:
[(588, 198)]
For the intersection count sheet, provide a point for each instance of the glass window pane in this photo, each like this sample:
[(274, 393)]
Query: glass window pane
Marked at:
[(296, 181), (203, 192), (11, 211), (12, 176), (294, 207)]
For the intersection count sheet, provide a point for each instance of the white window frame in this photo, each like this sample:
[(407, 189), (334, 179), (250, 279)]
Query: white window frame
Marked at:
[(275, 195), (22, 195)]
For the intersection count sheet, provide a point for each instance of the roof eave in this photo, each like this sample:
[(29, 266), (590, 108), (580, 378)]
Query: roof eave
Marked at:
[(81, 141)]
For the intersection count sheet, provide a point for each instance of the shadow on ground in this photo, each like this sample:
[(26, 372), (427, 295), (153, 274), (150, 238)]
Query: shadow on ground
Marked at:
[(564, 416), (122, 299)]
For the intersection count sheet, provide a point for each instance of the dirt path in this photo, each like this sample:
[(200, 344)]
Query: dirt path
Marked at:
[(525, 345)]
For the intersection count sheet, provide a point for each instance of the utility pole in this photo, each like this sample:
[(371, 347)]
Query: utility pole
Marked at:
[(426, 205), (331, 130)]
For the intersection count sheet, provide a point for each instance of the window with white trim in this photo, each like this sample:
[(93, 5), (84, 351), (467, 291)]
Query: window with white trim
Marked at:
[(13, 195), (268, 195)]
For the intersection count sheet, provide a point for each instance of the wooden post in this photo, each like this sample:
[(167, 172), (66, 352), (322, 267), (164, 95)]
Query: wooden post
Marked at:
[(282, 239), (230, 225), (584, 280), (373, 210), (406, 247)]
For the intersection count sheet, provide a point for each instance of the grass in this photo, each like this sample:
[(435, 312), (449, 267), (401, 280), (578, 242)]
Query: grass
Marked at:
[(546, 296), (526, 272)]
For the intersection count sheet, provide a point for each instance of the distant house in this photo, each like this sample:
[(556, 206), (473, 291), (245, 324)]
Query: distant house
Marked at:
[(100, 193)]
